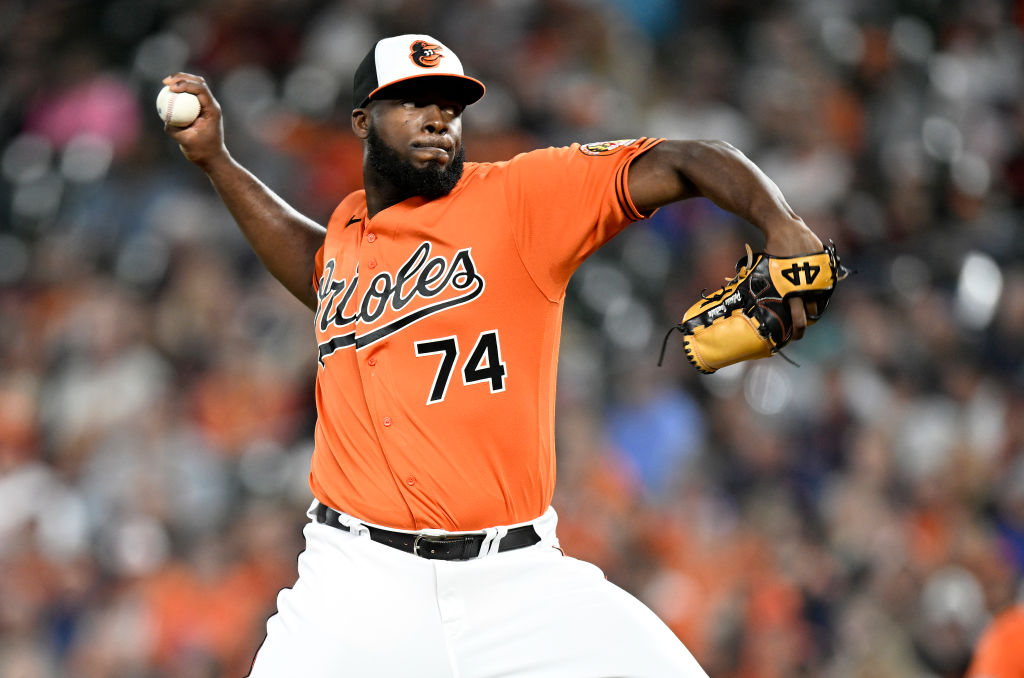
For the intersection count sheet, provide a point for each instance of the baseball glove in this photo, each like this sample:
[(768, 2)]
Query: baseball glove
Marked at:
[(749, 317)]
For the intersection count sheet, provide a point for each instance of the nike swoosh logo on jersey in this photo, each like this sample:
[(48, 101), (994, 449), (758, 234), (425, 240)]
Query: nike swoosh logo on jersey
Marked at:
[(420, 278), (353, 220)]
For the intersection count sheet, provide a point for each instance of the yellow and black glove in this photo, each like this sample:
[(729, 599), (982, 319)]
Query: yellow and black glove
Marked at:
[(750, 318)]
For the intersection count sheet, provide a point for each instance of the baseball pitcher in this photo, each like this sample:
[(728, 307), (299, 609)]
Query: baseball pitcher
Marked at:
[(437, 295)]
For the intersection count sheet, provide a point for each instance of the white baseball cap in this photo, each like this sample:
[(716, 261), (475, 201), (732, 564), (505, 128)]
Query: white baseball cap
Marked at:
[(402, 58)]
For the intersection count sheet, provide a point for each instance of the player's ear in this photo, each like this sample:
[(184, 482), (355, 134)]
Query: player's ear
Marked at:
[(361, 122)]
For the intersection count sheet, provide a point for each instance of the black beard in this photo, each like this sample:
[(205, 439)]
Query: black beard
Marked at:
[(429, 182)]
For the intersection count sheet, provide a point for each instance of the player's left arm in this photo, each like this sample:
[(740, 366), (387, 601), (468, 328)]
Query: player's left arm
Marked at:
[(677, 170)]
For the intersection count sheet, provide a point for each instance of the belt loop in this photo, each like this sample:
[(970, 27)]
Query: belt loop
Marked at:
[(545, 526), (492, 540), (354, 526)]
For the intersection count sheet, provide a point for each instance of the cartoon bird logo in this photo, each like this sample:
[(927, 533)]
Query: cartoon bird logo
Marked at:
[(425, 54)]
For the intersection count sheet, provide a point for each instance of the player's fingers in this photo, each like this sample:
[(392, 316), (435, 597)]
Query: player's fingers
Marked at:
[(812, 309), (796, 310), (183, 75), (185, 82), (193, 84)]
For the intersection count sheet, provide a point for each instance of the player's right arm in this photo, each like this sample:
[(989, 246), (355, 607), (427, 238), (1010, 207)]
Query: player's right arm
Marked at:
[(285, 240)]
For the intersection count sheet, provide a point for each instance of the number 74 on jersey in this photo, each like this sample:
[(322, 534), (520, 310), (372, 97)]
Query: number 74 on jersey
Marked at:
[(483, 363)]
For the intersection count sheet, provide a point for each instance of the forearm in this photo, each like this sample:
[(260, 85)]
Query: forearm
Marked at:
[(284, 240), (676, 170), (724, 175)]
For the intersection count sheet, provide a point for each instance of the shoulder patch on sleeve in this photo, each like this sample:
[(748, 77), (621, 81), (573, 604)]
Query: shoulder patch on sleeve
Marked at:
[(605, 147)]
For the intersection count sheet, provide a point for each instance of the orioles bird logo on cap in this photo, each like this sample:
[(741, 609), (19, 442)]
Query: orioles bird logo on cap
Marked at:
[(425, 54)]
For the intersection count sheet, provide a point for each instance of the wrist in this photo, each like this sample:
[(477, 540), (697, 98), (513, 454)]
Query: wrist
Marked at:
[(216, 163), (789, 236)]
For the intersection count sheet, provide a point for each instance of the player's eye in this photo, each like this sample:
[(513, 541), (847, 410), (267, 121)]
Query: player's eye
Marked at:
[(451, 110)]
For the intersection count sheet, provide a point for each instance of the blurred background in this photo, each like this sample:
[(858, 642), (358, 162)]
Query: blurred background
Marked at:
[(860, 515)]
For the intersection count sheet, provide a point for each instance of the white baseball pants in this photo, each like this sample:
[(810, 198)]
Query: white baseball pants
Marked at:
[(360, 608)]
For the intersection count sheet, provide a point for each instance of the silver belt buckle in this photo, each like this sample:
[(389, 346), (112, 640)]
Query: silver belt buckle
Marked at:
[(434, 539)]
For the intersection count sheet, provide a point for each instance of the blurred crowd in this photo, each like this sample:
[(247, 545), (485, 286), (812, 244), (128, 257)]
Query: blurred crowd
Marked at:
[(860, 515)]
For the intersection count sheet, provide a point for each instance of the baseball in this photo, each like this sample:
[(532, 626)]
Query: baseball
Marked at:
[(178, 109)]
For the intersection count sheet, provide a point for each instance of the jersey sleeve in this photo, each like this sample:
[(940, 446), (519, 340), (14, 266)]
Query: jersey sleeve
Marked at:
[(567, 202)]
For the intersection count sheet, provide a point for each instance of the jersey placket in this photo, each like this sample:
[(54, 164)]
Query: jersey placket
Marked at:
[(372, 360)]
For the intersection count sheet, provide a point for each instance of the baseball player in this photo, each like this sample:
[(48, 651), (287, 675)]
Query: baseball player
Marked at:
[(437, 294)]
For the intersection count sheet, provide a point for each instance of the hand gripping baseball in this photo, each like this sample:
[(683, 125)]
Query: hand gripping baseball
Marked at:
[(202, 142), (751, 316)]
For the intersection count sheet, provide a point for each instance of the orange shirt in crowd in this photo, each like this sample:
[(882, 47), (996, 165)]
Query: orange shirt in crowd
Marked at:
[(1000, 650)]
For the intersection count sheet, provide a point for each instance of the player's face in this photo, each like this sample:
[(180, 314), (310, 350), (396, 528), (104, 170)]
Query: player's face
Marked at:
[(425, 129), (406, 178), (414, 142)]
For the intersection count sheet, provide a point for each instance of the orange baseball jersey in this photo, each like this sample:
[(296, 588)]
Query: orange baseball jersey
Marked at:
[(1000, 650), (438, 326)]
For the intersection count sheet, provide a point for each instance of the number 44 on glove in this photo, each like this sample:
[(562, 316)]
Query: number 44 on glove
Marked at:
[(750, 317)]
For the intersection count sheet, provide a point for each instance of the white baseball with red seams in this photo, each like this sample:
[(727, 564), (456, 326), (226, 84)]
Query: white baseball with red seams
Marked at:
[(177, 109)]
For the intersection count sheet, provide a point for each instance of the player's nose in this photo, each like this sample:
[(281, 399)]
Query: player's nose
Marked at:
[(435, 121)]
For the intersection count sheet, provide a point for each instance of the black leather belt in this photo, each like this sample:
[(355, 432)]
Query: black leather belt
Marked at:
[(434, 547)]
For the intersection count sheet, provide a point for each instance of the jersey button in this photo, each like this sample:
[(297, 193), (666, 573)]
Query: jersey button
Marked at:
[(371, 361), (370, 237), (372, 263), (410, 481), (387, 421)]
